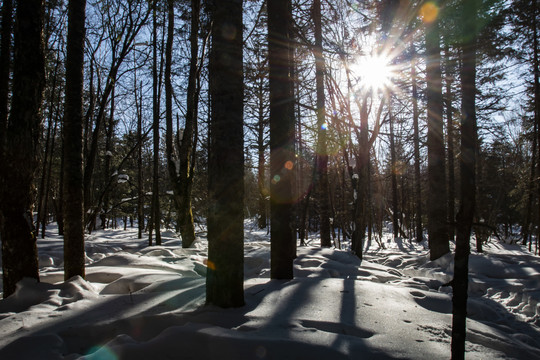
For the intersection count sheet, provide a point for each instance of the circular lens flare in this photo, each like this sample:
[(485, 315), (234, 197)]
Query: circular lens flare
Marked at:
[(429, 12)]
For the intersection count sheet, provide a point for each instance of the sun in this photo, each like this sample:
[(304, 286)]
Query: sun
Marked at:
[(374, 72)]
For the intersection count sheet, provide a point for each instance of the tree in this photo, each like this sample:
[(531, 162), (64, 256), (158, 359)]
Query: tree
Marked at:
[(73, 153), (449, 70), (156, 85), (436, 204), (19, 251), (416, 136), (322, 152), (5, 61), (282, 159), (467, 175), (122, 34), (180, 163), (225, 274)]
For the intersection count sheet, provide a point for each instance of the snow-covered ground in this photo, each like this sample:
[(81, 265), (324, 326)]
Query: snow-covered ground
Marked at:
[(141, 302)]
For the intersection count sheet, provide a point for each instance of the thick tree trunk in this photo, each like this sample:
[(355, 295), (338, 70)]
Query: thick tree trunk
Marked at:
[(468, 181), (282, 158), (322, 153), (225, 274), (19, 251), (437, 204), (73, 156)]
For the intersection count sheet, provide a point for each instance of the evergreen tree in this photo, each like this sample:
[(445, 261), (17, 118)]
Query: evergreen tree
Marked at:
[(225, 274), (282, 158), (322, 152), (72, 131), (19, 250), (467, 175), (436, 206)]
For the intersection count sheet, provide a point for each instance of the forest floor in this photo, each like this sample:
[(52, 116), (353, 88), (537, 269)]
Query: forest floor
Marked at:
[(147, 302)]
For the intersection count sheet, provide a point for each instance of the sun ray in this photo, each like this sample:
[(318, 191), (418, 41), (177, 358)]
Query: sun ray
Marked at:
[(374, 72)]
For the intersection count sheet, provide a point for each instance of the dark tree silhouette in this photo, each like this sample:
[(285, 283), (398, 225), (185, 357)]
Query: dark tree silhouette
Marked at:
[(468, 177), (225, 274), (282, 159), (73, 151), (19, 251), (436, 200)]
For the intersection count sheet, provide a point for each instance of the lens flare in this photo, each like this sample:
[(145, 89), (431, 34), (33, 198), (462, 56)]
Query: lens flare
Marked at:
[(289, 165), (102, 353), (429, 12)]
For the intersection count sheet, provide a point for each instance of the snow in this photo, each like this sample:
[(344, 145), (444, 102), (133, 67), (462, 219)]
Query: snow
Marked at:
[(141, 302)]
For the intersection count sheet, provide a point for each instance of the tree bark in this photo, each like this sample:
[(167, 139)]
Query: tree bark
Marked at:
[(72, 132), (393, 169), (526, 228), (437, 204), (468, 179), (282, 157), (322, 152), (5, 62), (450, 143), (536, 64), (225, 274), (416, 135), (179, 163), (156, 212), (19, 250)]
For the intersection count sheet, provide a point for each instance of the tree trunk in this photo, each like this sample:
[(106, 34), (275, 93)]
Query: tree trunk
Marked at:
[(156, 212), (109, 132), (526, 228), (393, 175), (5, 61), (180, 166), (73, 157), (19, 250), (140, 190), (261, 170), (437, 204), (282, 157), (416, 135), (48, 179), (450, 143), (322, 153), (225, 274), (536, 64), (60, 201), (359, 180), (468, 181)]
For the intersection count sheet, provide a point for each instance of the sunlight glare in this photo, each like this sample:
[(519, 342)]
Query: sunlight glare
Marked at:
[(374, 72)]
